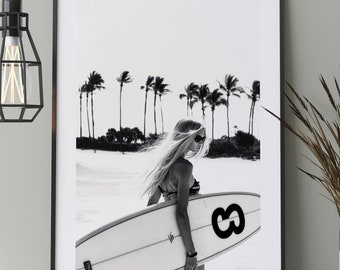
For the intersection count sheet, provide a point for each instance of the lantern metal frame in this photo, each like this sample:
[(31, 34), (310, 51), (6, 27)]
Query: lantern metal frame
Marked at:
[(20, 26)]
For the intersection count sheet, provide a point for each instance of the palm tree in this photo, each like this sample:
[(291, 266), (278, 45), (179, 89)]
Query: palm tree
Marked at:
[(95, 81), (123, 78), (158, 84), (189, 95), (81, 90), (201, 95), (86, 89), (254, 96), (215, 98), (230, 87), (162, 91), (147, 87)]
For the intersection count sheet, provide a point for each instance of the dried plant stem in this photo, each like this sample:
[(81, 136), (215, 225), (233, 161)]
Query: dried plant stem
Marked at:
[(321, 137)]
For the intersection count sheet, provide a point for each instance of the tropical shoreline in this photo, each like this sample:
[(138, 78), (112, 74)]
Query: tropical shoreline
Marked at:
[(242, 145)]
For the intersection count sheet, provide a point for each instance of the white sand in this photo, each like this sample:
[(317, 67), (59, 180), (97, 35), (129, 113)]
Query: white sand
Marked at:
[(108, 189)]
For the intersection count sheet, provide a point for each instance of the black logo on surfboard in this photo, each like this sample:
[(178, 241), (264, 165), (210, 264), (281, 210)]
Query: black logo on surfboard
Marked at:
[(225, 214)]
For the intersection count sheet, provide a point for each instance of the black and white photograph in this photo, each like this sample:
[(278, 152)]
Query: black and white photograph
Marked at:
[(177, 162)]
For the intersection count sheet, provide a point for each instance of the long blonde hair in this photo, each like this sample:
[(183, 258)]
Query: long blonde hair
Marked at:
[(169, 149)]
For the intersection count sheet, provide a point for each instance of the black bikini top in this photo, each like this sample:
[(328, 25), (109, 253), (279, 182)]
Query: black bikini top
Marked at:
[(195, 188)]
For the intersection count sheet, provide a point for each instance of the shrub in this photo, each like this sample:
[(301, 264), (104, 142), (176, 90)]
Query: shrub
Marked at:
[(102, 143), (222, 148), (111, 134), (244, 140), (128, 135), (237, 146)]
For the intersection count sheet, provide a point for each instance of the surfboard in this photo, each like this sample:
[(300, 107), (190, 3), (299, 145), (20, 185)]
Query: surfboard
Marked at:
[(150, 239)]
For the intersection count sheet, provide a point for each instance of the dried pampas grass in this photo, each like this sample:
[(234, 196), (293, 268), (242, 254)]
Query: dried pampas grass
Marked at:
[(320, 135)]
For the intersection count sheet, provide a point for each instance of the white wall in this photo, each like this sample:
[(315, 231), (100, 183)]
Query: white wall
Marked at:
[(312, 47), (25, 166)]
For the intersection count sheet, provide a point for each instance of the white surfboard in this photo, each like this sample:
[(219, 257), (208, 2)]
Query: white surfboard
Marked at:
[(150, 240)]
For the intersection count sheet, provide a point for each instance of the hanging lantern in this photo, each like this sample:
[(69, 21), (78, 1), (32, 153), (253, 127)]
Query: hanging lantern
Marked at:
[(21, 93)]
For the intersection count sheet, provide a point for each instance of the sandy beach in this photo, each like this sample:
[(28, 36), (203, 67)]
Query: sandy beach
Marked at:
[(108, 188)]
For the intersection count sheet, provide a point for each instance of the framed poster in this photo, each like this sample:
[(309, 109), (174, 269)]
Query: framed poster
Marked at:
[(128, 72)]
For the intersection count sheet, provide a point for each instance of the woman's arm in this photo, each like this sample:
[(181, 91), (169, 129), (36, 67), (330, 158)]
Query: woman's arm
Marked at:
[(155, 197), (184, 172)]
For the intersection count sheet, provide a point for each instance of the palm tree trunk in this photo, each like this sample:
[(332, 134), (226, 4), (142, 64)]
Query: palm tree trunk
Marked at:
[(145, 103), (188, 104), (190, 108), (154, 113), (87, 109), (203, 114), (92, 114), (250, 115), (252, 120), (228, 132), (213, 123), (120, 114), (160, 104), (81, 112)]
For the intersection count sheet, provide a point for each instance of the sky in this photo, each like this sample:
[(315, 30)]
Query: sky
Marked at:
[(183, 41)]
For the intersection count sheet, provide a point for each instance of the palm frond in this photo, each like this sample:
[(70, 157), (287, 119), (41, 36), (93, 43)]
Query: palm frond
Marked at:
[(94, 81), (230, 81), (225, 102), (237, 89), (256, 87), (124, 77), (222, 86), (193, 102), (83, 88), (149, 81)]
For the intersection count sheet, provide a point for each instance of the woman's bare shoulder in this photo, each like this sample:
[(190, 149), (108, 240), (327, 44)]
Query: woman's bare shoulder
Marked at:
[(182, 166)]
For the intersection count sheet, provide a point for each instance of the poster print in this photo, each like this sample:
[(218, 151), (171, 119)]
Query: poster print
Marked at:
[(143, 67)]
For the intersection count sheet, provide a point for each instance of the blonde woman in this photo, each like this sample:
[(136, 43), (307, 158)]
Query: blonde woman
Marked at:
[(171, 176)]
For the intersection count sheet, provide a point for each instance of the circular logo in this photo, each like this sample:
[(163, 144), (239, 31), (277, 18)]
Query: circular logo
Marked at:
[(225, 214)]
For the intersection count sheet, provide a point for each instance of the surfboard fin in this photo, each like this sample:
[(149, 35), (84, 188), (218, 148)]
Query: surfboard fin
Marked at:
[(87, 265)]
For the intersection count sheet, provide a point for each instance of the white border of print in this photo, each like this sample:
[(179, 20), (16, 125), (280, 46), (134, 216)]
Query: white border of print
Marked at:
[(66, 133)]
